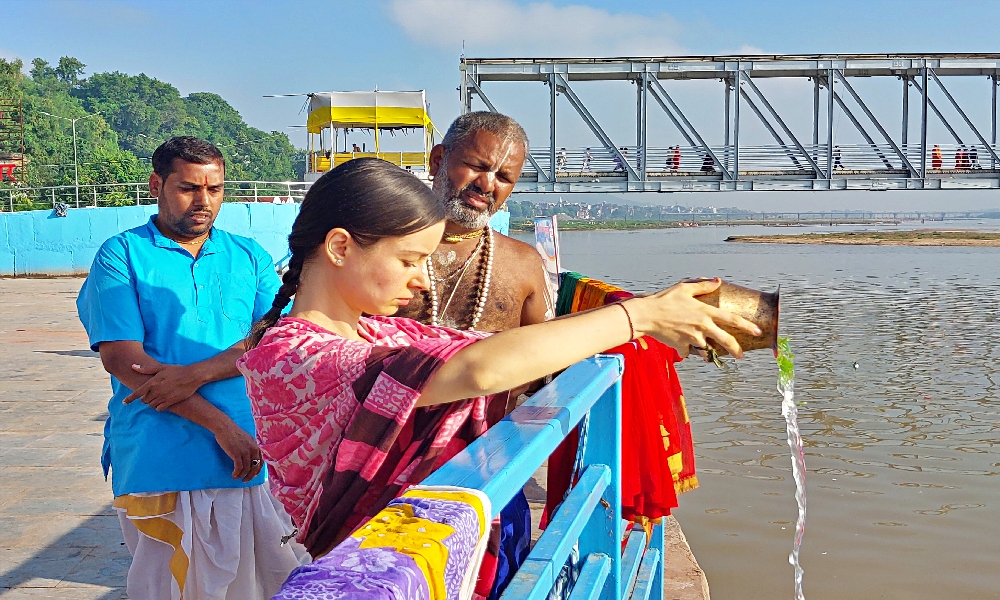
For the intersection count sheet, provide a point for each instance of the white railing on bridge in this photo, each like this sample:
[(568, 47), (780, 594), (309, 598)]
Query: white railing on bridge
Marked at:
[(13, 198), (585, 163), (695, 160)]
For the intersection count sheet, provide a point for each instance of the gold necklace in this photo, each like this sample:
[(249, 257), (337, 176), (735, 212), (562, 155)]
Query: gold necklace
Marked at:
[(197, 241), (484, 287), (458, 237)]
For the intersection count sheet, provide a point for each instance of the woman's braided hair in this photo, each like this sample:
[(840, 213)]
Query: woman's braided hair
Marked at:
[(370, 198)]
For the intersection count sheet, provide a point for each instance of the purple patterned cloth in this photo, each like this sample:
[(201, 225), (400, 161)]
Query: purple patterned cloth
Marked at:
[(461, 545), (349, 572), (427, 544)]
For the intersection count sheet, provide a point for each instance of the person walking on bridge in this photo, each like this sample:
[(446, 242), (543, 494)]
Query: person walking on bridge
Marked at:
[(619, 166), (937, 158), (708, 164), (167, 304)]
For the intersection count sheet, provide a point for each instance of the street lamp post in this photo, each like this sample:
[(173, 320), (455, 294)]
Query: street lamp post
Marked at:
[(76, 164)]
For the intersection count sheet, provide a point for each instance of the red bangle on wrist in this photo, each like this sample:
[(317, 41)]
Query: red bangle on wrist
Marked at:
[(631, 328)]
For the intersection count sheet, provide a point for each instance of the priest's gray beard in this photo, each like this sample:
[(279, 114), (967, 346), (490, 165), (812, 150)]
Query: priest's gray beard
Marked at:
[(460, 213)]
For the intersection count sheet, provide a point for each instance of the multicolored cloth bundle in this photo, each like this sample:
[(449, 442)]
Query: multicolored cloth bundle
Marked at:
[(427, 544), (655, 421)]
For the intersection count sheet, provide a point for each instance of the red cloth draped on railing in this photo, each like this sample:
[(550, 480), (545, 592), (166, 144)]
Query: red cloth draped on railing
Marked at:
[(657, 447)]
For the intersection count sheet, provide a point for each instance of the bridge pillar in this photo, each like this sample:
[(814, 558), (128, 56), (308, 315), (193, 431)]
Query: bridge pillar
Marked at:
[(923, 123), (728, 83), (829, 125), (736, 125), (642, 98), (552, 126), (906, 111), (815, 140), (463, 90), (993, 128)]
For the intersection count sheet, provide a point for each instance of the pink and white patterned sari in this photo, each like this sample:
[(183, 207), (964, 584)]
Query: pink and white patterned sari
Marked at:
[(337, 421)]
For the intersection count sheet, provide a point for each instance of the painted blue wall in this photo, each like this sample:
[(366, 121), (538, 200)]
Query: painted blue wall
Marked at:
[(501, 222), (38, 242)]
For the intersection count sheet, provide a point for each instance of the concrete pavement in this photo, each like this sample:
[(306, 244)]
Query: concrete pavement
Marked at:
[(59, 537)]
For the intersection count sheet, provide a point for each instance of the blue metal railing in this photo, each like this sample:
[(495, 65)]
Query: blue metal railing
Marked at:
[(282, 263), (500, 462)]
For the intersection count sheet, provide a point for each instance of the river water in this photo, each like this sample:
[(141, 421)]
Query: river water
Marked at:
[(902, 451)]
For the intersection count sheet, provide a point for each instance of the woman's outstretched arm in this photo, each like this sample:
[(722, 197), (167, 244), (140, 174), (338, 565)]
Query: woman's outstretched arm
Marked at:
[(516, 356)]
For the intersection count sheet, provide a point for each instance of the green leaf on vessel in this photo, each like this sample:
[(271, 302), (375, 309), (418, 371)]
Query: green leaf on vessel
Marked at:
[(786, 364)]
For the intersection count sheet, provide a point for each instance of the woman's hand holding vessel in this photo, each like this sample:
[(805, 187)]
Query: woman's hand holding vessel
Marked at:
[(517, 356), (677, 318)]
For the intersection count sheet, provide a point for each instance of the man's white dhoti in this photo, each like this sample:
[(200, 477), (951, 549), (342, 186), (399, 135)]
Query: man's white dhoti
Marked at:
[(216, 544)]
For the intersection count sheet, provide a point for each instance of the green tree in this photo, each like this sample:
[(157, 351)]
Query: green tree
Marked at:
[(251, 154), (142, 110), (522, 209), (10, 72), (48, 140), (132, 115), (111, 164), (69, 70), (40, 70)]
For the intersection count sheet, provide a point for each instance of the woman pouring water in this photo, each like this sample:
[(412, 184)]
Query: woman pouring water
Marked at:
[(353, 405)]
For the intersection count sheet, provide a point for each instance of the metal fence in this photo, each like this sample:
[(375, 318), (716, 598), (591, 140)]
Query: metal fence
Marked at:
[(584, 163), (767, 159), (500, 462), (13, 198)]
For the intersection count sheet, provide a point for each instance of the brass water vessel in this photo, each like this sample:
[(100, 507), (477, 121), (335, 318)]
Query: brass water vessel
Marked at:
[(761, 308)]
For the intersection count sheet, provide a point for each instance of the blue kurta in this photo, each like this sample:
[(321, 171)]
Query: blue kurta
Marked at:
[(145, 287)]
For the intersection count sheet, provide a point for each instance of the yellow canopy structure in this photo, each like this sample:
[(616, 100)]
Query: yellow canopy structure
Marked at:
[(336, 111), (333, 115), (381, 110)]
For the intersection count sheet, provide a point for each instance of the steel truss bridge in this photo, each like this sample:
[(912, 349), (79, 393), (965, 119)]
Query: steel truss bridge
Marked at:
[(792, 162)]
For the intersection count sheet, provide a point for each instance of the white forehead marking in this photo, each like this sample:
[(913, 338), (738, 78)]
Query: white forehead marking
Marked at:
[(504, 149)]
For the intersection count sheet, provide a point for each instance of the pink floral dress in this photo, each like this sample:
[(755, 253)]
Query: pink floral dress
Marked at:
[(337, 421)]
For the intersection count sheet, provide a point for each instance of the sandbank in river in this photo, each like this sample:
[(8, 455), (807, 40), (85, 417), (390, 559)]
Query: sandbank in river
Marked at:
[(919, 237)]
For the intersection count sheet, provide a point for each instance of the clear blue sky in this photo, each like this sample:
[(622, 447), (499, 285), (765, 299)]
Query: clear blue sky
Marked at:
[(243, 50)]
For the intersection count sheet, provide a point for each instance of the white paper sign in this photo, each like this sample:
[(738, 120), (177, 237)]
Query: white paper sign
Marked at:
[(547, 245)]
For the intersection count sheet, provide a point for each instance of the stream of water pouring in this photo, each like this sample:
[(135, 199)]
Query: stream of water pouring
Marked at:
[(786, 385)]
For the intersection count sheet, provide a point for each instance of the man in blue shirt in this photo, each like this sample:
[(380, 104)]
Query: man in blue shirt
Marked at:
[(167, 305)]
